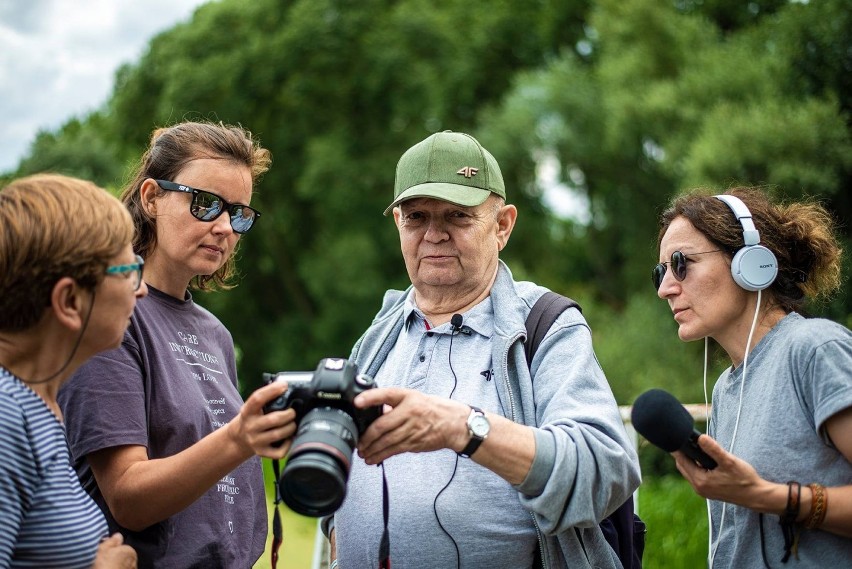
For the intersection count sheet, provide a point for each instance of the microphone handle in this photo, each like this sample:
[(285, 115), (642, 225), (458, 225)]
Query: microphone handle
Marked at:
[(691, 449)]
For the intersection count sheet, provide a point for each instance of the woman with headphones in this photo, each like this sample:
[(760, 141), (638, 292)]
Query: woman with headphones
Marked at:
[(738, 268)]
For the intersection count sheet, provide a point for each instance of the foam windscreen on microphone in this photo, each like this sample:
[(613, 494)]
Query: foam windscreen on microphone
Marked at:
[(659, 417)]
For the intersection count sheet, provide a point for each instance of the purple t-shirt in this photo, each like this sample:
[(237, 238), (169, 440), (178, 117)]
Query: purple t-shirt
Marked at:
[(172, 382)]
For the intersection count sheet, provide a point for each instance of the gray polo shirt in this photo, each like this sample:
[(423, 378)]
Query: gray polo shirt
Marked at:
[(480, 510)]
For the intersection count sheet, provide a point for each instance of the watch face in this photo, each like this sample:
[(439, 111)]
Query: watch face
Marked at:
[(479, 425)]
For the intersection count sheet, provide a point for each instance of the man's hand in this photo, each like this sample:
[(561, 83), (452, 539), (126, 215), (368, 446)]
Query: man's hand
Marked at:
[(412, 422), (113, 554)]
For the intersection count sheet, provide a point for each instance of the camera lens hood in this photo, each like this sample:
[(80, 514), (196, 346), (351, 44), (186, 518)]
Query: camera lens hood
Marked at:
[(313, 482)]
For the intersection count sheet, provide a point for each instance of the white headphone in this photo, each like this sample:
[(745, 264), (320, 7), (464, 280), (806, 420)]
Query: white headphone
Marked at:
[(754, 267)]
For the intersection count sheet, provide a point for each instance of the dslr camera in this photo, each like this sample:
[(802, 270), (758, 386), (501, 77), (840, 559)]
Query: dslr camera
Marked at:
[(313, 482)]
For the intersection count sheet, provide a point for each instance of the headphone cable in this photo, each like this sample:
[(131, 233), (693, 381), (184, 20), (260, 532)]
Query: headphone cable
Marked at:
[(736, 423)]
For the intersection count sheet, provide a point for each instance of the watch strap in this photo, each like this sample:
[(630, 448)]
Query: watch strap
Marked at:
[(475, 441)]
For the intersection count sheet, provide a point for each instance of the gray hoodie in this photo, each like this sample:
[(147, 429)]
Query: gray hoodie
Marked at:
[(585, 465)]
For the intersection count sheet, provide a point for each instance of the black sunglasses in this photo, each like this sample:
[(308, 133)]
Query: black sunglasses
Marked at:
[(678, 263), (207, 206)]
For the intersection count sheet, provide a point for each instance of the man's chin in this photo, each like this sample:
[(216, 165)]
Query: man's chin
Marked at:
[(439, 278)]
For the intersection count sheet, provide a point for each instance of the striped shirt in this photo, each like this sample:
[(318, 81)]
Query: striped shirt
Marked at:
[(46, 519)]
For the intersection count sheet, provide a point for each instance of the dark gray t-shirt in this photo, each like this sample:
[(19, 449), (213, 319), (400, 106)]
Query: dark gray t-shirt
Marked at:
[(172, 382), (797, 377)]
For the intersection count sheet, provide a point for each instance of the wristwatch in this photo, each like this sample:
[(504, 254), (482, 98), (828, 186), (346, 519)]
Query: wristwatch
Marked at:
[(478, 427)]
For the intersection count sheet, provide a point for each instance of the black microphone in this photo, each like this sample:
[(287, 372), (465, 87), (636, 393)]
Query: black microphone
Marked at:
[(659, 417), (456, 322)]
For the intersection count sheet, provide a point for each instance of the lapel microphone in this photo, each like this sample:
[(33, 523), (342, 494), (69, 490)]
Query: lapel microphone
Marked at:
[(457, 327)]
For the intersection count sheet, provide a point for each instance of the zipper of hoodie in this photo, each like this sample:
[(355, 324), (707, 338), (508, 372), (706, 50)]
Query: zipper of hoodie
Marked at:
[(538, 534), (505, 362), (540, 539)]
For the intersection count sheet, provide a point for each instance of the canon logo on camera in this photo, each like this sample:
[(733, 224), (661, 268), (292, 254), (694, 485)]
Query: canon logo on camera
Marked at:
[(325, 395)]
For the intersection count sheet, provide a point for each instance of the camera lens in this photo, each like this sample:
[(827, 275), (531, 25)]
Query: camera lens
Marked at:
[(314, 480)]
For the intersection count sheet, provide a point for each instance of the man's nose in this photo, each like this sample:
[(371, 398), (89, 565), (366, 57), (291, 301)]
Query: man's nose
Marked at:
[(437, 231)]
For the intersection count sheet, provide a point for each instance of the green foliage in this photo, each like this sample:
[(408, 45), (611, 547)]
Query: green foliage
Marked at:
[(808, 146), (630, 101), (77, 149), (337, 91), (677, 524), (639, 349)]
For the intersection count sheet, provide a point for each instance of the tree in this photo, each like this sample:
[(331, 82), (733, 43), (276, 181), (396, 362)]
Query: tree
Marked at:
[(337, 90), (631, 100)]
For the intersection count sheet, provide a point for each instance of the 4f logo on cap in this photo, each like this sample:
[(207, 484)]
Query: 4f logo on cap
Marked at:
[(468, 171)]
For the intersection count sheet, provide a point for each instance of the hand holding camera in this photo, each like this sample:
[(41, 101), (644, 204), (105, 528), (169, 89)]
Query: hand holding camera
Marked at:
[(313, 482)]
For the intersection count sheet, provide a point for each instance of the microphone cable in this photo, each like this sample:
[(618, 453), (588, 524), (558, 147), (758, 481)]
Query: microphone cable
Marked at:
[(736, 425), (455, 324)]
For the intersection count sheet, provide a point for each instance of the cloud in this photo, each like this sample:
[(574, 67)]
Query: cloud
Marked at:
[(58, 59)]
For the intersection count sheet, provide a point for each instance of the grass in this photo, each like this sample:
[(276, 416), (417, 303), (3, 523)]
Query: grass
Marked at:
[(677, 524), (297, 548)]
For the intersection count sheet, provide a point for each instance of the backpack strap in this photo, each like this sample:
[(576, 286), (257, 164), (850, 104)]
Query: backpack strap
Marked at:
[(623, 530), (543, 314)]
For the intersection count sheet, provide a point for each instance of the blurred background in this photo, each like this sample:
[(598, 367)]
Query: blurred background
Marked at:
[(599, 112)]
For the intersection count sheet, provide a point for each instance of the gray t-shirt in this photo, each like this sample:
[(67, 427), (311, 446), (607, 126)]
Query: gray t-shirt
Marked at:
[(797, 377), (477, 509), (172, 382)]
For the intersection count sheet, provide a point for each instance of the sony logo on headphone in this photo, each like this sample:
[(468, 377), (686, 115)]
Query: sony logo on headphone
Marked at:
[(769, 266)]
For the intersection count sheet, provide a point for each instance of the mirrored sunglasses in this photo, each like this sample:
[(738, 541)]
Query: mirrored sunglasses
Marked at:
[(207, 206), (133, 271), (678, 263)]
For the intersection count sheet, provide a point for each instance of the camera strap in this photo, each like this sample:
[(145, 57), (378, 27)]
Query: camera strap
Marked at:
[(384, 545), (277, 532)]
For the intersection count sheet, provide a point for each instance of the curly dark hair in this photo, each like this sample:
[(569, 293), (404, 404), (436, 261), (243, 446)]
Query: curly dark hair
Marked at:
[(800, 234)]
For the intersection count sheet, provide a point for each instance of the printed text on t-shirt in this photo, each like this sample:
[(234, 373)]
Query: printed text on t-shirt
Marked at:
[(227, 487)]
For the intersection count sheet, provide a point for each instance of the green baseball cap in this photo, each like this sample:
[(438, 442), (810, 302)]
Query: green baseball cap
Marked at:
[(449, 166)]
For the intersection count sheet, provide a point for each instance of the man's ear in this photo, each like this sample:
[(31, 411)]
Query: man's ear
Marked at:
[(148, 196), (505, 223), (68, 301), (397, 216)]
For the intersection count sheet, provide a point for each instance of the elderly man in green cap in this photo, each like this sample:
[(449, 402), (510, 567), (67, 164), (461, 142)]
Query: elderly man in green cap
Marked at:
[(489, 461)]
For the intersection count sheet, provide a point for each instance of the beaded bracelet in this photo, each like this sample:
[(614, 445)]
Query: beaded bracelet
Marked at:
[(819, 505)]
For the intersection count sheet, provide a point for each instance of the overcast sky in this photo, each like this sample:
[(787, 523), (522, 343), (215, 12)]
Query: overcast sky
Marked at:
[(58, 59)]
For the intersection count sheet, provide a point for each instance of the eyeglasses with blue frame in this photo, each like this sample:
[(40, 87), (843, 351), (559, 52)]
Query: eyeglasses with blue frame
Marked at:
[(132, 271), (207, 206)]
